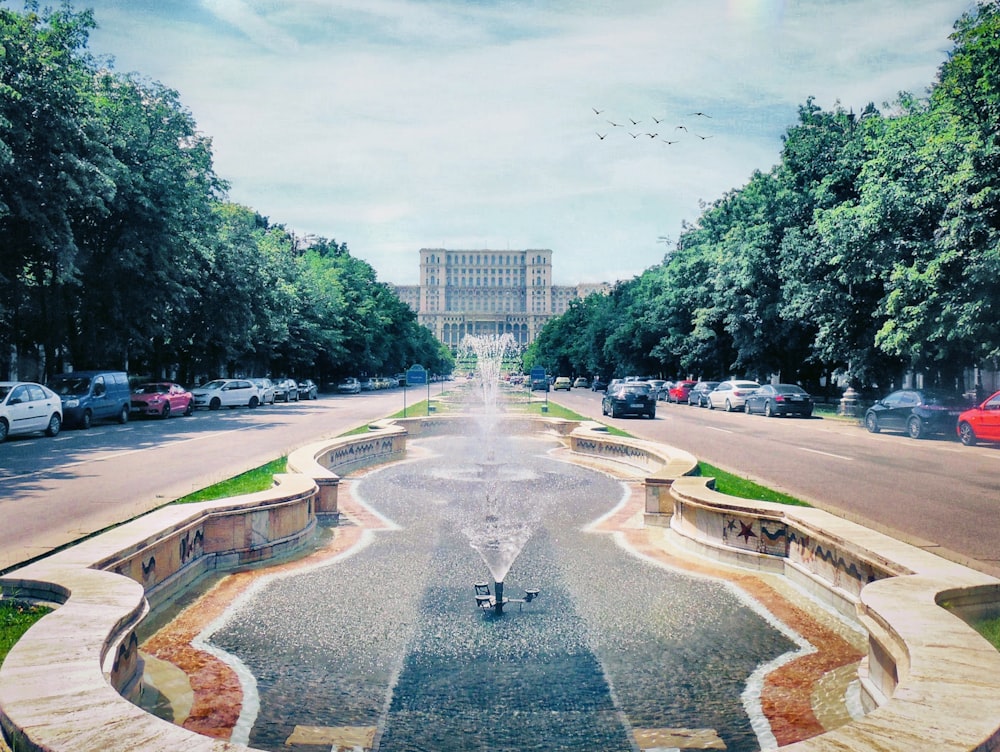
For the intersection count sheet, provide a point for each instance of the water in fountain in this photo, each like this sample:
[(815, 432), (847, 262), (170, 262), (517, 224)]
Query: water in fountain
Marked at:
[(500, 524)]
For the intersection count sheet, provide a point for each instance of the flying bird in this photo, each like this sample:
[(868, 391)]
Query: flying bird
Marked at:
[(633, 135), (652, 135), (667, 142), (657, 121), (681, 128), (701, 114), (616, 125), (702, 137), (600, 136), (596, 111), (635, 122)]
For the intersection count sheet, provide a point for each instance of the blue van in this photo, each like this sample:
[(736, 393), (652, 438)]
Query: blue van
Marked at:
[(92, 395)]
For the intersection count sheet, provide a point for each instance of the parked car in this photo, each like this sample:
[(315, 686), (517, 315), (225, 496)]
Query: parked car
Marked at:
[(369, 385), (658, 387), (629, 398), (980, 423), (917, 412), (162, 399), (265, 387), (93, 395), (562, 382), (680, 390), (730, 395), (598, 384), (698, 396), (226, 393), (539, 385), (27, 407), (780, 399), (580, 383), (308, 389), (286, 390), (350, 385)]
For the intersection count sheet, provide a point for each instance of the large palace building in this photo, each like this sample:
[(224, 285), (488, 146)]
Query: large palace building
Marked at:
[(488, 292)]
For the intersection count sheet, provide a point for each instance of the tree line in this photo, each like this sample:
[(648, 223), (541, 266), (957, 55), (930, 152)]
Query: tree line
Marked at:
[(870, 250), (119, 248)]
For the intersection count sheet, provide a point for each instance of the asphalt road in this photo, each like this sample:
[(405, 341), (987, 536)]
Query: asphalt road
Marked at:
[(56, 491), (932, 492)]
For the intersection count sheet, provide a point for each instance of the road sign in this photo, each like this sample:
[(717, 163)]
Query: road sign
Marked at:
[(537, 373), (416, 376)]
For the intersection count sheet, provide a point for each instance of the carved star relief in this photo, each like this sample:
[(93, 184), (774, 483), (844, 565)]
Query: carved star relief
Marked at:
[(746, 533)]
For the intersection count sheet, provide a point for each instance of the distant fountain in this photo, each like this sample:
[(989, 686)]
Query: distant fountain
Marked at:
[(502, 524)]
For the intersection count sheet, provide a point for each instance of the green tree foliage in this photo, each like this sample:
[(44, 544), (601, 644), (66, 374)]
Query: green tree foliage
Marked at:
[(118, 248), (871, 248)]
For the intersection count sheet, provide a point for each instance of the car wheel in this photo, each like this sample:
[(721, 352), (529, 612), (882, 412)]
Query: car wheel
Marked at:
[(966, 434), (768, 412), (253, 402), (4, 429), (166, 411), (709, 405), (215, 404), (915, 428), (871, 423), (729, 406), (189, 410), (54, 426), (87, 420), (652, 414), (746, 408), (614, 411), (123, 415)]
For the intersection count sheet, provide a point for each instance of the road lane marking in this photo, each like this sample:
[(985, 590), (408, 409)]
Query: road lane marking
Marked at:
[(827, 454), (720, 430)]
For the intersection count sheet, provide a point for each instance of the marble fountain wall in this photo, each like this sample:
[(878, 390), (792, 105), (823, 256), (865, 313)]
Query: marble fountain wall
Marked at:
[(929, 680)]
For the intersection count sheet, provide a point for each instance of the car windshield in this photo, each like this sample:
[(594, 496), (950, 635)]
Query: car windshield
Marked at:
[(153, 389), (634, 389), (789, 389), (217, 384), (70, 385), (943, 399)]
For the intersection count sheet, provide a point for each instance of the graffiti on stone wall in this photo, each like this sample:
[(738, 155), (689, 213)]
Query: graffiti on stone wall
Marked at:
[(835, 566), (755, 534), (613, 450), (364, 451)]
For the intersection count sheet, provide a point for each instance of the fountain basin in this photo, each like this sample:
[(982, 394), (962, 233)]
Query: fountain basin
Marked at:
[(939, 681)]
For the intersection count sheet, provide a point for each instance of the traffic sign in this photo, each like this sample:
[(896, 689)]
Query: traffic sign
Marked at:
[(537, 373), (416, 376)]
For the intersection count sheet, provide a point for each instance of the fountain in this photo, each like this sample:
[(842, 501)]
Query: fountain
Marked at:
[(383, 645), (500, 534)]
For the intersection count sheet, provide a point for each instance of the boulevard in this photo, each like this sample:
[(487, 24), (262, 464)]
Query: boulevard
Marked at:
[(933, 493)]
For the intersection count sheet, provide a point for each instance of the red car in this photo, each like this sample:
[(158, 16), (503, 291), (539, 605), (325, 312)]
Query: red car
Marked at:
[(679, 392), (980, 423), (162, 399)]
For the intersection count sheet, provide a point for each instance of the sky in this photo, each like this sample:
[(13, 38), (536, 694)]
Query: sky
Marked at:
[(396, 125)]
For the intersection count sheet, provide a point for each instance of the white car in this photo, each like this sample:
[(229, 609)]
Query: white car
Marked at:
[(226, 393), (731, 395), (265, 390), (27, 407)]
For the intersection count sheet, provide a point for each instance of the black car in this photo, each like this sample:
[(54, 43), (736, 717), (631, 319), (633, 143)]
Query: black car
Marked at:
[(698, 396), (286, 390), (917, 412), (308, 389), (780, 399), (629, 398), (539, 385)]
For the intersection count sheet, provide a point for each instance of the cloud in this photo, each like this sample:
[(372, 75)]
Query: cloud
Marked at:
[(395, 124)]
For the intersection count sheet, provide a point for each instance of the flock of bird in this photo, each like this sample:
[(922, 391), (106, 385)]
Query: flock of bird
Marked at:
[(657, 131)]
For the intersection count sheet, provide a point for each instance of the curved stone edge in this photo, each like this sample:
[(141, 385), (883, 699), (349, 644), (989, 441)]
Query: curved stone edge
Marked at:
[(935, 680), (930, 681)]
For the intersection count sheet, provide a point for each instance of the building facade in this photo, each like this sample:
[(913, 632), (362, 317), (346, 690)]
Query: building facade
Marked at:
[(482, 292)]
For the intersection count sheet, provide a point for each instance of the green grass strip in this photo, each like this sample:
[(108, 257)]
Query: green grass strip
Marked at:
[(735, 485), (258, 479), (990, 629), (15, 619)]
